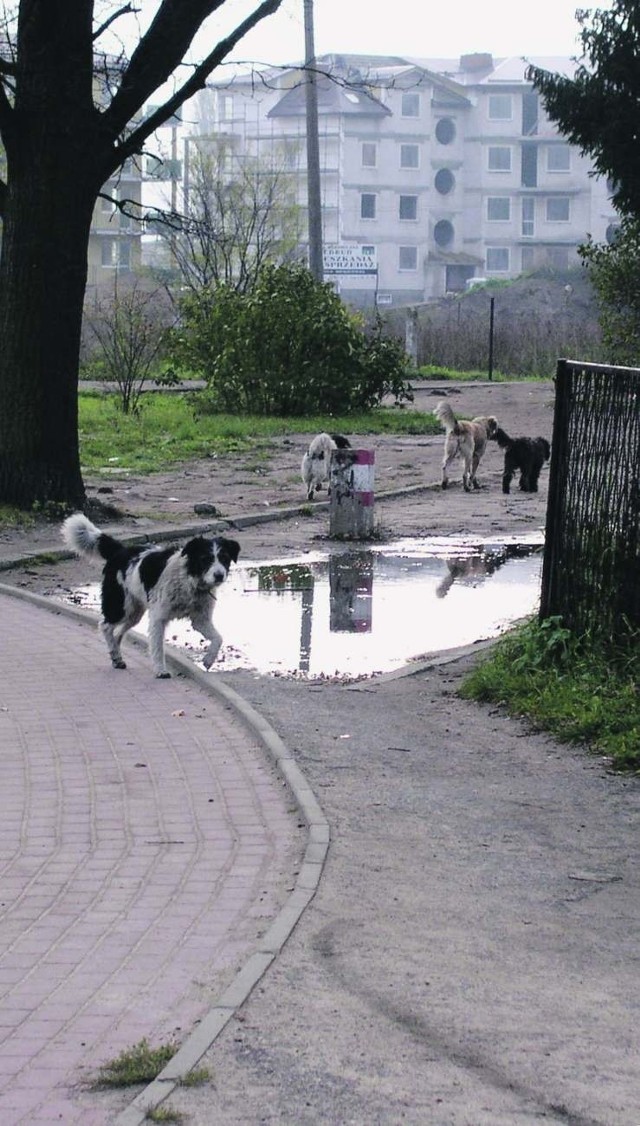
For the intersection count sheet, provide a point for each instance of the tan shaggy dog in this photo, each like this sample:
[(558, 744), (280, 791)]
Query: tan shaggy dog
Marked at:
[(467, 439)]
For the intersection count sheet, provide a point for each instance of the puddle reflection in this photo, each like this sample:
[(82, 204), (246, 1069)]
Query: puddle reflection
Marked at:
[(370, 610)]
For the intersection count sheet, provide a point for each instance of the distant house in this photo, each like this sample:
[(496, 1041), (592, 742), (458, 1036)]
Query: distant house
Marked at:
[(116, 234), (435, 170)]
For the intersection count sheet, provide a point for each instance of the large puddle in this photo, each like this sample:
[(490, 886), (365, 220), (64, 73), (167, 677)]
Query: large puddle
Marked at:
[(365, 610)]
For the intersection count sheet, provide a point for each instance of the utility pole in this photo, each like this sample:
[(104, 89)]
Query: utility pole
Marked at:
[(313, 148)]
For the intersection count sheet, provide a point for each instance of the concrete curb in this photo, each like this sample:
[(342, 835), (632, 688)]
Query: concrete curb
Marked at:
[(269, 946), (57, 554)]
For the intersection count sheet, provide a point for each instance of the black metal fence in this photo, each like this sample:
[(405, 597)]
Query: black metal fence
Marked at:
[(591, 569)]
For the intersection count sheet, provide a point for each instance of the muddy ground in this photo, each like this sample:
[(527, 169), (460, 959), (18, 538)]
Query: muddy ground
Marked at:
[(264, 483)]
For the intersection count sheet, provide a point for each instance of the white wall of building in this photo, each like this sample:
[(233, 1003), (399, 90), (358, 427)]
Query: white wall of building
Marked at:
[(448, 171)]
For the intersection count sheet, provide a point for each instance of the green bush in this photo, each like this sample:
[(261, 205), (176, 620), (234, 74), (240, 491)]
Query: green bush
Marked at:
[(288, 347)]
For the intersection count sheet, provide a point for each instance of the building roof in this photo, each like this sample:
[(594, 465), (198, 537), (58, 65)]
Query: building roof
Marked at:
[(333, 97)]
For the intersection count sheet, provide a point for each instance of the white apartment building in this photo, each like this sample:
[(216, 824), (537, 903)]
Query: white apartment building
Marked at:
[(433, 170)]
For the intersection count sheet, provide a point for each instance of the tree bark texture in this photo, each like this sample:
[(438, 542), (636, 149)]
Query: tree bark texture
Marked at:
[(53, 150)]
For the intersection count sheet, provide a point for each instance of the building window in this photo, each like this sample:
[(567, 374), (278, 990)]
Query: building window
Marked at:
[(445, 130), (408, 207), (410, 105), (529, 165), (558, 257), (612, 233), (498, 209), (444, 181), (557, 210), (529, 113), (409, 156), (368, 249), (500, 107), (226, 107), (528, 215), (369, 154), (108, 251), (367, 205), (528, 259), (116, 253), (443, 233), (106, 206), (497, 259), (407, 257), (558, 158), (499, 158)]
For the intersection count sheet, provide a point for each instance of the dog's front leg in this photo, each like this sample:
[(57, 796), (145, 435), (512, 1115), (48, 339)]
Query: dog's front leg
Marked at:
[(157, 626), (202, 622)]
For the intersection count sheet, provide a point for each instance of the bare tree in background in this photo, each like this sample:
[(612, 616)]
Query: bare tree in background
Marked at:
[(240, 213), (69, 117), (129, 324)]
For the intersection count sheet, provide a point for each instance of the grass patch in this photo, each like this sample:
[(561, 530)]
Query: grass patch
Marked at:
[(168, 429), (195, 1077), (435, 371), (11, 517), (581, 690), (140, 1064), (164, 1114)]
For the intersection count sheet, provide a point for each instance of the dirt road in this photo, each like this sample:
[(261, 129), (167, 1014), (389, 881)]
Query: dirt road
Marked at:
[(471, 957), (266, 482)]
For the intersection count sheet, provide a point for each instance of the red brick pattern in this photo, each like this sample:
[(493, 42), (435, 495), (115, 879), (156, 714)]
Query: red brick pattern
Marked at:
[(145, 843)]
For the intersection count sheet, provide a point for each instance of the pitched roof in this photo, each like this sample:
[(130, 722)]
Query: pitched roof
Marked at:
[(333, 97)]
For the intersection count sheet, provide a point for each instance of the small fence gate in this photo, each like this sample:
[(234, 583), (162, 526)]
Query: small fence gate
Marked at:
[(591, 568)]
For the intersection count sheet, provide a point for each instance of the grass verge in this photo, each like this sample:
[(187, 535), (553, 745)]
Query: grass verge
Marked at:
[(578, 689), (169, 429)]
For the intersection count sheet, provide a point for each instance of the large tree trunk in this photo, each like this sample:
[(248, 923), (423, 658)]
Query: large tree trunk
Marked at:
[(55, 154), (43, 272)]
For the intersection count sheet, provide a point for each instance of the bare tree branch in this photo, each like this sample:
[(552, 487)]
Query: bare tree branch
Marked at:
[(126, 9), (159, 54)]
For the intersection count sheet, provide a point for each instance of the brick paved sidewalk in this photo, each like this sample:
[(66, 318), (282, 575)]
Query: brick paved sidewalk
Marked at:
[(145, 843)]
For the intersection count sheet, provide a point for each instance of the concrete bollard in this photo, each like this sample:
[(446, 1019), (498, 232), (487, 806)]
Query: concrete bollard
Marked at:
[(351, 501)]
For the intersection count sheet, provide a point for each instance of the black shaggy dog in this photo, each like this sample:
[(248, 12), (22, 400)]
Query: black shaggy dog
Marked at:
[(525, 454)]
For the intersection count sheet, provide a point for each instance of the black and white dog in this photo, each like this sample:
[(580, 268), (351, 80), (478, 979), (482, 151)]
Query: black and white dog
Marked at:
[(525, 454), (168, 582), (316, 461)]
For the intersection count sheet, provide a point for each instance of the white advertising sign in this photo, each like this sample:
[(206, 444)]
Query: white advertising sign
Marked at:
[(339, 259)]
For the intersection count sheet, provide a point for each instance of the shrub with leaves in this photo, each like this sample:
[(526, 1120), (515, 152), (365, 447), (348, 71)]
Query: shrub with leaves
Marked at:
[(286, 347), (614, 270)]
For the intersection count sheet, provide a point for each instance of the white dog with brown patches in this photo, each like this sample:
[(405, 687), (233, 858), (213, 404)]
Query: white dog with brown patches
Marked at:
[(316, 462), (467, 439)]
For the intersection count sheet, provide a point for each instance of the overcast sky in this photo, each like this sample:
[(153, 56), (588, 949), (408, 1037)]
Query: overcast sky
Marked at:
[(428, 29), (431, 28)]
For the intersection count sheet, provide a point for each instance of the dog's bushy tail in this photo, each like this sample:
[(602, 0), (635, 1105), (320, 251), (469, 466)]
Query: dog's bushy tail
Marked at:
[(84, 538), (341, 442), (445, 415), (502, 438)]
